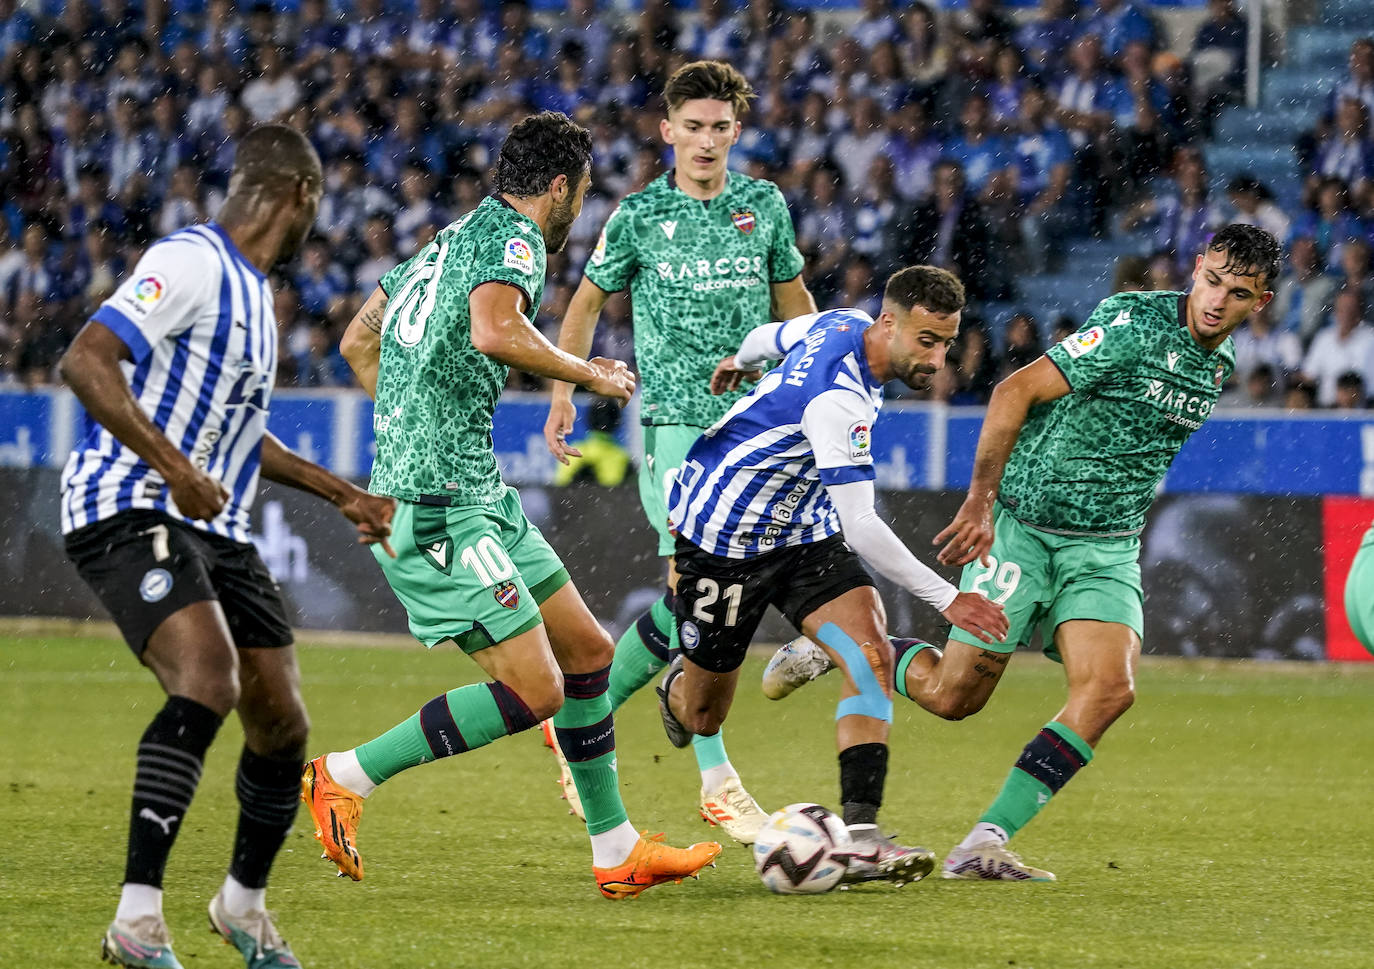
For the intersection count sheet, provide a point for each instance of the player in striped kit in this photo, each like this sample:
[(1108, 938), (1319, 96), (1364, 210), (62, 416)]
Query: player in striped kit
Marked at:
[(175, 371), (759, 507)]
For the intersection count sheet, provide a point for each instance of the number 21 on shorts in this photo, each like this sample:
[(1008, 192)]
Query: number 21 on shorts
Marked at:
[(1005, 577)]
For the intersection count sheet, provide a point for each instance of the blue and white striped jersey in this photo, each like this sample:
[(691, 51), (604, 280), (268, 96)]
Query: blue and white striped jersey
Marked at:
[(756, 480), (197, 318)]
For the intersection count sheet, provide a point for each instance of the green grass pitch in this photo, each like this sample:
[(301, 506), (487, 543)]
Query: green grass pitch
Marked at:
[(1223, 824)]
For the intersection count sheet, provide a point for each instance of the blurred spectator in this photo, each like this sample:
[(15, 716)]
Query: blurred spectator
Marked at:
[(716, 34), (1260, 342), (419, 208), (1259, 388), (1346, 151), (856, 149), (1305, 293), (983, 156), (926, 51), (1350, 391), (379, 253), (275, 90), (985, 26), (860, 288), (1046, 36), (320, 282), (321, 365), (1217, 57), (877, 207), (1356, 271), (1042, 166), (1253, 204), (1299, 393), (824, 234), (947, 229), (1118, 23), (1023, 344), (1345, 344), (1180, 219), (182, 205), (1328, 219), (913, 149)]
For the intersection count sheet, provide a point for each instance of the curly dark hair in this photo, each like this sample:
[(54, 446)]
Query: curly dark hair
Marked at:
[(538, 150), (931, 287), (1250, 251), (708, 80)]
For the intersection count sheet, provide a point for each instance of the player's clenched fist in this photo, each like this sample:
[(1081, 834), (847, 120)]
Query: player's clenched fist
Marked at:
[(613, 379), (974, 613), (196, 494)]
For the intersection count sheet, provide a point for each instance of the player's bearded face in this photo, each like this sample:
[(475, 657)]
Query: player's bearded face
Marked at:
[(564, 214), (920, 346)]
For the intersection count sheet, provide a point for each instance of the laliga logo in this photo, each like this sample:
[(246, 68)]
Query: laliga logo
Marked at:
[(859, 438), (149, 289), (519, 255)]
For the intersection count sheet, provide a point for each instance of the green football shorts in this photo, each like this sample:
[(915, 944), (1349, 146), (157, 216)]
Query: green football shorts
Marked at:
[(472, 574), (1359, 593), (665, 448), (1043, 580)]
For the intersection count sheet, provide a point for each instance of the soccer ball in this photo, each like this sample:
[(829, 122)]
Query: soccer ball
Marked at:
[(802, 850)]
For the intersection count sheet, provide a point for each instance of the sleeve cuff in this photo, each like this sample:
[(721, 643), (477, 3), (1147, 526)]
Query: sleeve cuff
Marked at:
[(124, 328), (847, 473)]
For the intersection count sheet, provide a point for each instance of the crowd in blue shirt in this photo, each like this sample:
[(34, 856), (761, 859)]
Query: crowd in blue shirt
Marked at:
[(901, 132)]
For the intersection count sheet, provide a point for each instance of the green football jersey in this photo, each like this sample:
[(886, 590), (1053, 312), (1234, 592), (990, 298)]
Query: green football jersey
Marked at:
[(435, 391), (700, 276), (1090, 462)]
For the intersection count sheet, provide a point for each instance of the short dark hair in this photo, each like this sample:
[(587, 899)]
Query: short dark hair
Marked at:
[(1250, 251), (708, 80), (275, 156), (930, 287), (538, 150)]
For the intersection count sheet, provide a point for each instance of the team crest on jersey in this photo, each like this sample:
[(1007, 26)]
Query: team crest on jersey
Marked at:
[(744, 221), (520, 256), (1220, 372), (507, 594), (1085, 342), (860, 439), (689, 635), (147, 292)]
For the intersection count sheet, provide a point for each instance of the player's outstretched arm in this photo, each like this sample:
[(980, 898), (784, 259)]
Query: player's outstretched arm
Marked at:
[(91, 369), (371, 513), (501, 330), (574, 337), (969, 535), (361, 344), (880, 547)]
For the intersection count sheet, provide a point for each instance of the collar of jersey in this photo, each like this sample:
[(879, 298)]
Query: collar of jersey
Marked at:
[(671, 176), (218, 230)]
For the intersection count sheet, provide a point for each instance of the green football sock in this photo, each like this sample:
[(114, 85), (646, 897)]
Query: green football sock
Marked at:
[(452, 723), (1046, 764), (710, 750), (642, 652), (587, 735)]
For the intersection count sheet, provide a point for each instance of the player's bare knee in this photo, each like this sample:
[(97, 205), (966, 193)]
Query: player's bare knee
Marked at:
[(706, 721), (954, 706), (544, 698)]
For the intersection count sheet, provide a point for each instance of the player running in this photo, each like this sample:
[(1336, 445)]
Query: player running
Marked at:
[(176, 371), (760, 504), (433, 345), (1071, 454), (707, 255)]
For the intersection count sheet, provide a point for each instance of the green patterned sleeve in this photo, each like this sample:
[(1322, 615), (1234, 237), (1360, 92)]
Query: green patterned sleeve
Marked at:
[(392, 278), (1106, 344), (501, 256), (785, 260), (615, 260)]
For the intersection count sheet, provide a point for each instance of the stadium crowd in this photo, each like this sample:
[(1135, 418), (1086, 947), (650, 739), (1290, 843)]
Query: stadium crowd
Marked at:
[(969, 138)]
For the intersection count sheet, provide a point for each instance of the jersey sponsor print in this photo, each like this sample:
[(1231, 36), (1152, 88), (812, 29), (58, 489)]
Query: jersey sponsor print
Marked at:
[(1091, 462), (700, 276)]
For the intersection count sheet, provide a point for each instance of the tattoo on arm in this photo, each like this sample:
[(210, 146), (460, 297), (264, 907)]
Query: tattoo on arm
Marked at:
[(372, 318)]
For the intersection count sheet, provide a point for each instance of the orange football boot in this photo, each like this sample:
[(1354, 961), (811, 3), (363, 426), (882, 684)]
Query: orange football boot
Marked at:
[(652, 863), (336, 811)]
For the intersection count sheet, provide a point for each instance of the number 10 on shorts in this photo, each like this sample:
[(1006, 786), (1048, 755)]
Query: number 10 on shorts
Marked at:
[(488, 561)]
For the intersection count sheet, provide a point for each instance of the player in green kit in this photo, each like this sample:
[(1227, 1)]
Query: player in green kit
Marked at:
[(707, 255), (1069, 460), (433, 345)]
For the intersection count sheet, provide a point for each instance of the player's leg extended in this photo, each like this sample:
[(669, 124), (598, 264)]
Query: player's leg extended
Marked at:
[(1099, 661), (623, 863), (850, 628), (275, 726)]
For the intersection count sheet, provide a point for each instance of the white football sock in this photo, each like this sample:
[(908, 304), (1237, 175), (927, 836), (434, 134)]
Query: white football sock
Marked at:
[(982, 833), (348, 773), (239, 899), (714, 778), (137, 901), (611, 848)]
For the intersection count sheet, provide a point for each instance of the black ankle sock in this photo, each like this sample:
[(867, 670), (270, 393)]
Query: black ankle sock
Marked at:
[(863, 773)]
